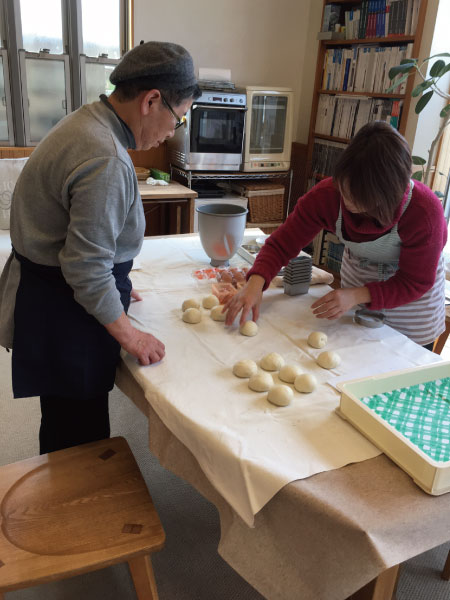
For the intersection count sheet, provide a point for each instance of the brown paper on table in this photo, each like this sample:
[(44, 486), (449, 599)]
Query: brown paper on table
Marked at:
[(325, 536)]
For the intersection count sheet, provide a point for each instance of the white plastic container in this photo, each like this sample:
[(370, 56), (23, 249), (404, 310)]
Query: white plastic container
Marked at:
[(432, 476)]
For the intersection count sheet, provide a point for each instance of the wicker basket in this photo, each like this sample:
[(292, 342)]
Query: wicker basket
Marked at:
[(265, 201)]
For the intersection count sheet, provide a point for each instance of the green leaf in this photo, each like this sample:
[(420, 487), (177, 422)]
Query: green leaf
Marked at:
[(423, 102), (436, 68), (445, 111), (405, 68), (417, 176), (436, 56), (418, 160), (408, 60), (421, 87), (396, 83), (439, 194)]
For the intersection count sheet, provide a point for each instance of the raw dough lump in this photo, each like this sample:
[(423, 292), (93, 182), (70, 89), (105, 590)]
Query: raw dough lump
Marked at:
[(249, 328), (217, 314), (305, 383), (262, 382), (245, 368), (192, 315), (288, 373), (317, 339), (328, 360), (210, 301), (272, 362), (190, 303), (281, 395)]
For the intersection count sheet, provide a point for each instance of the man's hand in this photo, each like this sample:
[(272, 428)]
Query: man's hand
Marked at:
[(334, 304), (135, 295), (248, 298), (144, 346)]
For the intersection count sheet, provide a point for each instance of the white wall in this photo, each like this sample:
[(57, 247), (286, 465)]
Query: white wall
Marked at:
[(263, 42), (424, 127)]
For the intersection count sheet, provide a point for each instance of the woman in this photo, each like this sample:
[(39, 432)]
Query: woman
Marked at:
[(393, 229)]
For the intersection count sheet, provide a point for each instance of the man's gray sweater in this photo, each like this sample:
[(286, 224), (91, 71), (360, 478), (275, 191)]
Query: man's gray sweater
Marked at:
[(76, 205)]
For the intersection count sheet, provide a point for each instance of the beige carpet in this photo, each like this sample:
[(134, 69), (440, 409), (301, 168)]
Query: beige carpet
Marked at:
[(188, 568)]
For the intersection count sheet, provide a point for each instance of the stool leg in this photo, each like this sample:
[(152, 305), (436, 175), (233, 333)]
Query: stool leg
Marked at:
[(143, 577), (446, 572)]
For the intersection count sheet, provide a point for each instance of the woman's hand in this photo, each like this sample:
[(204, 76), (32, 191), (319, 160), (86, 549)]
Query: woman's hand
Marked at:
[(248, 298), (334, 304)]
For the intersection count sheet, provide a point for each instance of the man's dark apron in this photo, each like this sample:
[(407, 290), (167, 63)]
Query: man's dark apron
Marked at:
[(58, 348)]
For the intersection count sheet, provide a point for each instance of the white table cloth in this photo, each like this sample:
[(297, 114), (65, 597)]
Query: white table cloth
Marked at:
[(248, 448)]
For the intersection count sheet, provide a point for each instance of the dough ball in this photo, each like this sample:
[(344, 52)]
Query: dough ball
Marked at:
[(288, 373), (281, 395), (317, 339), (262, 382), (328, 360), (305, 383), (192, 315), (217, 314), (249, 328), (272, 362), (210, 301), (190, 303), (245, 368)]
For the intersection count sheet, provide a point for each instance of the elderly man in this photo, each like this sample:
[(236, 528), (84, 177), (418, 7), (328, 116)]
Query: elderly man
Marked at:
[(77, 222)]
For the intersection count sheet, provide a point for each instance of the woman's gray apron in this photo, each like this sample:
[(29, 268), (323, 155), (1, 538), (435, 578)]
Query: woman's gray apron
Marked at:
[(422, 320)]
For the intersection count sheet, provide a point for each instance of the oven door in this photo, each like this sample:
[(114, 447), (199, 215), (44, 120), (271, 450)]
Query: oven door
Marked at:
[(216, 137)]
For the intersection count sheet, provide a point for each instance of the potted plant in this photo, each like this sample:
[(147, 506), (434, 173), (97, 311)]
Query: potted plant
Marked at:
[(424, 92)]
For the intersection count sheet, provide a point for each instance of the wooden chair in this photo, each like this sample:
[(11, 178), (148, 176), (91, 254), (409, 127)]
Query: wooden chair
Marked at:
[(74, 511), (442, 339)]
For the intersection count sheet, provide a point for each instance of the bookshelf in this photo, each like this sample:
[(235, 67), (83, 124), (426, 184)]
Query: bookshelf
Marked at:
[(352, 76)]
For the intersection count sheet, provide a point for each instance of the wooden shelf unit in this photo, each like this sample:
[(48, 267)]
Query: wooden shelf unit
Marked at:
[(324, 45)]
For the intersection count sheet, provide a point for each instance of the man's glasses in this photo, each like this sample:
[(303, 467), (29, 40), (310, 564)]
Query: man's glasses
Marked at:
[(179, 121)]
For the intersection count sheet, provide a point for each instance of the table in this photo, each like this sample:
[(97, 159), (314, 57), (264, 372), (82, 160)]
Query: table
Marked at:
[(326, 536), (178, 196)]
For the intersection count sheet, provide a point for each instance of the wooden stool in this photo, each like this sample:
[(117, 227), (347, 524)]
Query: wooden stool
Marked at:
[(74, 511)]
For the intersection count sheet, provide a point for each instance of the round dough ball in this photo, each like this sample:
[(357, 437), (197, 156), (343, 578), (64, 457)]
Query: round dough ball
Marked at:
[(210, 301), (249, 328), (217, 314), (272, 362), (190, 303), (288, 373), (317, 339), (245, 368), (192, 315), (281, 395), (305, 383), (262, 382), (328, 360)]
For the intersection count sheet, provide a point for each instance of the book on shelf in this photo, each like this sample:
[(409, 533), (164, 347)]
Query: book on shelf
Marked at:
[(342, 116), (373, 18), (331, 252), (325, 156), (363, 68)]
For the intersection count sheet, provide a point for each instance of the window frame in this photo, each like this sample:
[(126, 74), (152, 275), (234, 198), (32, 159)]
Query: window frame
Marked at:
[(23, 56), (17, 97), (9, 112)]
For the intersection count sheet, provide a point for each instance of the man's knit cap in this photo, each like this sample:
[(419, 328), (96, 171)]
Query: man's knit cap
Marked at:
[(164, 64)]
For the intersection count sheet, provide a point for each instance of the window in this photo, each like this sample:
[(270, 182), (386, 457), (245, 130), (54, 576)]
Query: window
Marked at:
[(60, 55)]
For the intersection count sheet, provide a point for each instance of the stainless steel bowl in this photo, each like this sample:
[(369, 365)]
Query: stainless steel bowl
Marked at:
[(221, 229)]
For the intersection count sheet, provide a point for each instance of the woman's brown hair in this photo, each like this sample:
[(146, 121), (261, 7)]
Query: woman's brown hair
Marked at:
[(374, 170)]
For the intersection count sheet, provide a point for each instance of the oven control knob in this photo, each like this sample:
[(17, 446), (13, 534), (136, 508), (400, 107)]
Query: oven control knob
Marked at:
[(231, 99), (241, 100), (225, 99)]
